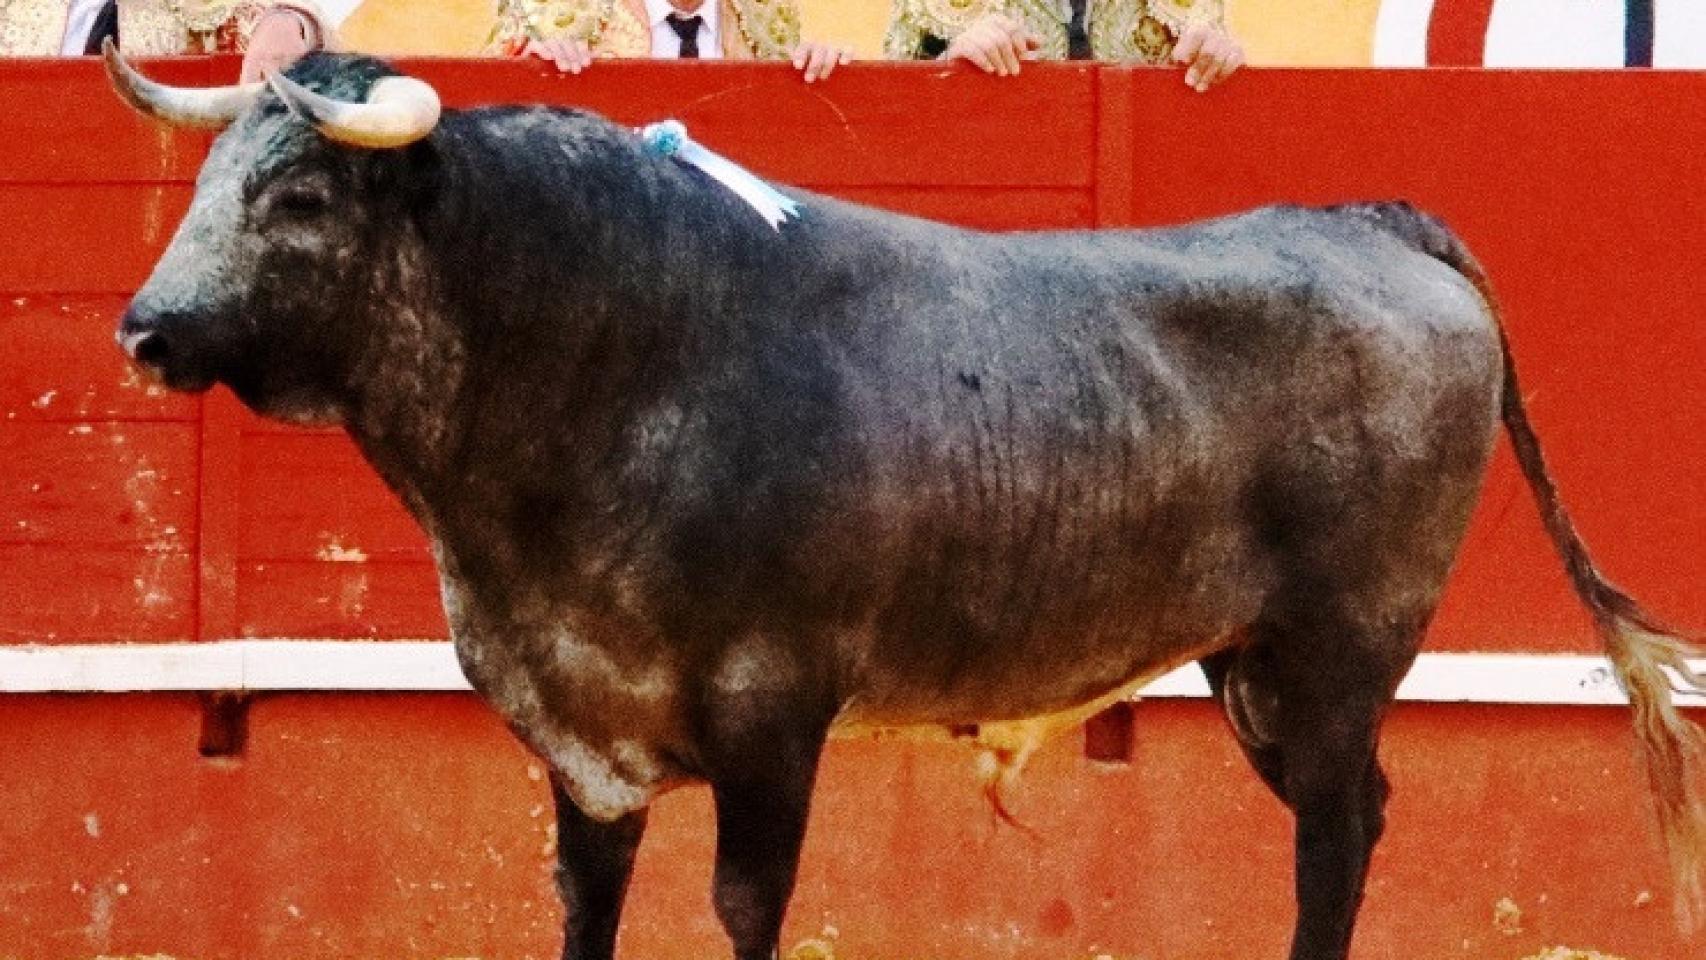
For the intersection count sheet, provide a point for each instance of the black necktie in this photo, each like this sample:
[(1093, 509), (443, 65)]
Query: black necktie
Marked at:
[(105, 25), (1077, 38), (687, 28)]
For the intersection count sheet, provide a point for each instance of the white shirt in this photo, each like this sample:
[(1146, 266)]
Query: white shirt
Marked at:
[(79, 20), (666, 43)]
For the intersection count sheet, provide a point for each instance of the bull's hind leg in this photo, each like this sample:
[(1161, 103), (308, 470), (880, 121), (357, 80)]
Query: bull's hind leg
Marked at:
[(1306, 701), (594, 863)]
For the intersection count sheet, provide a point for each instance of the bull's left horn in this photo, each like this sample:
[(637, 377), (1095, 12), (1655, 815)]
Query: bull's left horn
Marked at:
[(398, 111), (209, 107)]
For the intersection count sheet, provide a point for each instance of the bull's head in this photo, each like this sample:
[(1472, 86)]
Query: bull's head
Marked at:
[(299, 200)]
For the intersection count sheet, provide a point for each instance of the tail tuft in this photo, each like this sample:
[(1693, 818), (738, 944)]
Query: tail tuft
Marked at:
[(1652, 663)]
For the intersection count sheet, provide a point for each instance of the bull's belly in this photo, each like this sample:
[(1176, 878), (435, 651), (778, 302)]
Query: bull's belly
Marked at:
[(1008, 740)]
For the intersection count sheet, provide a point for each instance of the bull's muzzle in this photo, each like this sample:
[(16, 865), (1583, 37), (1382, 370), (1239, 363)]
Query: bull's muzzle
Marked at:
[(143, 347), (144, 343), (156, 345)]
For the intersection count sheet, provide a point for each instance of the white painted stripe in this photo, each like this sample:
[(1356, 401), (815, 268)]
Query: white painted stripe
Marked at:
[(1401, 33), (430, 665), (349, 665)]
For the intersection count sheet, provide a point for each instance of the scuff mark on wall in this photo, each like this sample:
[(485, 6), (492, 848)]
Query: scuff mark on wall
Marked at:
[(333, 550), (142, 488), (154, 216)]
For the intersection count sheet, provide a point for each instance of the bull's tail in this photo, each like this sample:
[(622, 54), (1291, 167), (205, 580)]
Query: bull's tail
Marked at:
[(1647, 656), (1641, 649)]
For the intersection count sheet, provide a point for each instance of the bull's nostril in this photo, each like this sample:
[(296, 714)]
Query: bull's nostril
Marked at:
[(149, 349)]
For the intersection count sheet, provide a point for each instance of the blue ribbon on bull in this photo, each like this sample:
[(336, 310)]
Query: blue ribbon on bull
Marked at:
[(669, 138)]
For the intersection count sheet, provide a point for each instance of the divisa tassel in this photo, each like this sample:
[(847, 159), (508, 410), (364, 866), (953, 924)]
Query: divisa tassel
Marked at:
[(669, 138)]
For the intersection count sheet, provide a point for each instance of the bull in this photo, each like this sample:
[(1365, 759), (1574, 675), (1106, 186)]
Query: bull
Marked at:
[(701, 492)]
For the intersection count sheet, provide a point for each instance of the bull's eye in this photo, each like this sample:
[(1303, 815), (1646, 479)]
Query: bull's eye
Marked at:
[(301, 201)]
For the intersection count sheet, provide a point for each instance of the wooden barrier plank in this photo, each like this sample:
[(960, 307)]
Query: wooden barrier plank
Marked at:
[(80, 594), (953, 126), (84, 237), (1117, 111), (347, 514), (326, 780), (70, 370), (128, 851), (415, 825), (63, 123), (99, 484), (221, 471), (339, 600)]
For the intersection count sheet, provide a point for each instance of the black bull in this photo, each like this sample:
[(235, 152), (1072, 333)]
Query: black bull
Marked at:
[(702, 491)]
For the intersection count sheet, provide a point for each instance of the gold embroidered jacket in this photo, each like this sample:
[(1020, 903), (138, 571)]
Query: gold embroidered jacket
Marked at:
[(751, 29), (34, 28), (1139, 31)]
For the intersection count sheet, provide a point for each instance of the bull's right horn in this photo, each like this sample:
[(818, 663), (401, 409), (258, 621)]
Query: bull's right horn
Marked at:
[(397, 112), (208, 107)]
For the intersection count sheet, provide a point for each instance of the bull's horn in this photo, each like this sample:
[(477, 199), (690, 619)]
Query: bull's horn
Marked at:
[(398, 111), (209, 107)]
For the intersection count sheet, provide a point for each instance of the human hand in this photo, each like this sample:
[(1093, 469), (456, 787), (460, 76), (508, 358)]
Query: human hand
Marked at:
[(1210, 53), (280, 38), (995, 43), (570, 55), (816, 60)]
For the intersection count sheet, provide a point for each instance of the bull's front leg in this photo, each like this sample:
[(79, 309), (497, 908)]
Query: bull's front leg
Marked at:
[(763, 751), (594, 861), (759, 829)]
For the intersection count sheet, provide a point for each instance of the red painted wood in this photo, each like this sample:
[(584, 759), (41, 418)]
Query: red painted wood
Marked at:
[(340, 600), (72, 372), (85, 594), (98, 484), (367, 826), (58, 109), (1116, 189), (84, 237), (111, 829), (952, 126), (220, 452), (352, 516)]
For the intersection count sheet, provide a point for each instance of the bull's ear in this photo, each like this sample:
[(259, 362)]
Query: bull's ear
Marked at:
[(398, 111)]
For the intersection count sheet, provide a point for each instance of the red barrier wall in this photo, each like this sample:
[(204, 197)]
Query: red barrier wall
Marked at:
[(364, 826)]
